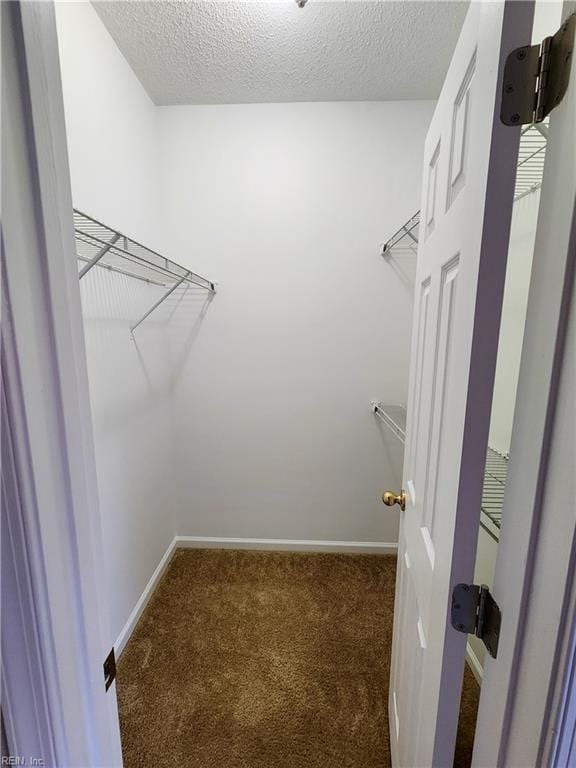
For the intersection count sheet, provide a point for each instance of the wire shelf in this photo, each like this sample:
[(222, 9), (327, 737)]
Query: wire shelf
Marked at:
[(405, 238), (393, 416), (495, 473), (495, 476), (531, 157), (529, 172), (98, 245), (120, 253)]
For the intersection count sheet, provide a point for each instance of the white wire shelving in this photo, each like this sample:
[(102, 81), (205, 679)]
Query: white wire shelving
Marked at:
[(529, 172), (98, 245), (495, 477), (531, 156), (495, 473), (405, 238), (393, 416)]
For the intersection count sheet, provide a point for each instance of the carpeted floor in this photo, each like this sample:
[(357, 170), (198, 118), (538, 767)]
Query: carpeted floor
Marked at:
[(467, 721), (263, 660)]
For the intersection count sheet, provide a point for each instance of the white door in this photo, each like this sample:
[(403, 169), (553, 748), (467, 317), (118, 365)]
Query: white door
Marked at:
[(468, 182)]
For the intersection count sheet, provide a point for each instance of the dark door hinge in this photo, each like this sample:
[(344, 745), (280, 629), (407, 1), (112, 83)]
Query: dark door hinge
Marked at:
[(475, 612), (536, 77), (109, 669)]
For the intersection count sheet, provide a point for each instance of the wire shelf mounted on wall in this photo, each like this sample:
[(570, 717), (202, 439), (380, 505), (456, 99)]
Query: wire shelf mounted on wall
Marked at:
[(98, 245), (393, 416), (529, 173), (495, 477), (531, 156), (405, 238), (495, 473)]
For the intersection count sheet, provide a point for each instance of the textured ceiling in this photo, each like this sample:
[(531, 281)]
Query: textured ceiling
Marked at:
[(238, 52)]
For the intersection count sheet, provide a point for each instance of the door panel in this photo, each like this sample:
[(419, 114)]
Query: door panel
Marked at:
[(412, 630), (467, 196)]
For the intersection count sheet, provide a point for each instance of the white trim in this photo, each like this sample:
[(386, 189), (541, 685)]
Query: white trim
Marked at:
[(66, 718), (561, 747), (219, 542), (536, 548), (289, 545), (474, 664), (142, 602)]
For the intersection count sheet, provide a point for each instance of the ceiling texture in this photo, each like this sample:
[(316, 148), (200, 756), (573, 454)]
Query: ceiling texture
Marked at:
[(221, 52)]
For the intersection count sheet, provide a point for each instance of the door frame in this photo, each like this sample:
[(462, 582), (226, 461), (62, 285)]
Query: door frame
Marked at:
[(54, 701), (534, 582), (70, 629), (512, 721)]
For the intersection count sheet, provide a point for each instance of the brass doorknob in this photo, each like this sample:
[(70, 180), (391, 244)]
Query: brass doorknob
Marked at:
[(390, 499)]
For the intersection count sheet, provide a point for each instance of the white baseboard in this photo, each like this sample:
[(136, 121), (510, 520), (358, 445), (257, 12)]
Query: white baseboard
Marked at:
[(287, 545), (208, 542), (128, 628), (474, 664)]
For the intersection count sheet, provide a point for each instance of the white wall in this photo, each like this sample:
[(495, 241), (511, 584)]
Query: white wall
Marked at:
[(285, 205), (112, 142), (246, 416), (110, 126), (518, 269)]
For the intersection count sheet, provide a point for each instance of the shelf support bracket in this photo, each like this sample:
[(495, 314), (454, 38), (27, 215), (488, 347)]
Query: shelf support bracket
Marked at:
[(95, 259), (410, 235), (160, 300)]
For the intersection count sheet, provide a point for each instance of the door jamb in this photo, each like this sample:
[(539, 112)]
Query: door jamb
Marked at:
[(90, 731), (51, 502), (505, 724)]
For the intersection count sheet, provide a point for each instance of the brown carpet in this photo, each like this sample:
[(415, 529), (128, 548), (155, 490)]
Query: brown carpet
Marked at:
[(467, 721), (261, 660)]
